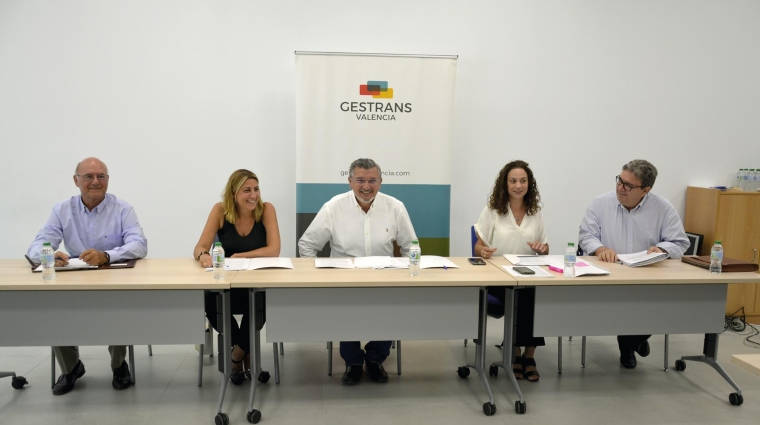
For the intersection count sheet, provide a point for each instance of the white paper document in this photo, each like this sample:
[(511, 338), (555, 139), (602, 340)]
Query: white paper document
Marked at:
[(74, 264), (582, 268), (233, 264), (638, 259), (539, 272), (434, 261), (270, 263), (333, 263), (381, 262)]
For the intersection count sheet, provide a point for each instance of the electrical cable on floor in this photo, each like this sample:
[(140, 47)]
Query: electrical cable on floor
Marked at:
[(738, 324)]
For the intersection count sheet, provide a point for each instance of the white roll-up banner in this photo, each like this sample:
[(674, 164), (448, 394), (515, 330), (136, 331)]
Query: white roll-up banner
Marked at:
[(396, 110)]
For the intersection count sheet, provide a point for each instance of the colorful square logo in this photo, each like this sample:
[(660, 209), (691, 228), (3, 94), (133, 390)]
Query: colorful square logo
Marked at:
[(376, 89)]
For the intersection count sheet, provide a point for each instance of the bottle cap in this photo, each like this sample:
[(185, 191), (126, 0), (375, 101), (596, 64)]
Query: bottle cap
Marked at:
[(46, 244), (717, 242), (217, 244), (570, 244), (415, 242)]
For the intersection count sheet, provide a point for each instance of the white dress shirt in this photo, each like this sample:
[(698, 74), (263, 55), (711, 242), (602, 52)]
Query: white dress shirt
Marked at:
[(503, 232), (354, 233)]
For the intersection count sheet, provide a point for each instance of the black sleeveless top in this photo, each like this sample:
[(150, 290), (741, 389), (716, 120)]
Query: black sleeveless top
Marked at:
[(233, 243)]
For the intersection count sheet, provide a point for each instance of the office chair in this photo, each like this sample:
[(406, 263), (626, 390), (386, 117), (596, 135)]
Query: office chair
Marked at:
[(18, 382)]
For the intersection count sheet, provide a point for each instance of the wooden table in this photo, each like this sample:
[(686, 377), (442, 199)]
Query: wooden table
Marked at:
[(310, 304), (669, 297)]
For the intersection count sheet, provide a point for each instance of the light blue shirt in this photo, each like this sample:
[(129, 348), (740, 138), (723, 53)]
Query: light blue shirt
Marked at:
[(112, 227), (653, 222)]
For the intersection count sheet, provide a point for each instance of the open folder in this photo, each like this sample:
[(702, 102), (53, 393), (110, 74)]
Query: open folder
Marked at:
[(77, 264)]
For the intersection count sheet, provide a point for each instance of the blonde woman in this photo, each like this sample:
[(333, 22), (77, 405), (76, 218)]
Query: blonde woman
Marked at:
[(247, 228)]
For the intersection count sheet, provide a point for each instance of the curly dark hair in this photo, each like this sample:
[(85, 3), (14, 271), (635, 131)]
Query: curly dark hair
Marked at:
[(500, 196)]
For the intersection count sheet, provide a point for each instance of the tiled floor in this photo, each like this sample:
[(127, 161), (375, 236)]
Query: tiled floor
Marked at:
[(428, 391)]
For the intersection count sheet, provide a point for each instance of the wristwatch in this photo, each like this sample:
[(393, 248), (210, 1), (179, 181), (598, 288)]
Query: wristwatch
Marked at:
[(198, 258), (108, 257)]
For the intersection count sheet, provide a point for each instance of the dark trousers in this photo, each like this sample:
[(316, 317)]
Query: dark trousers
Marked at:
[(241, 334), (631, 342), (352, 353), (526, 305)]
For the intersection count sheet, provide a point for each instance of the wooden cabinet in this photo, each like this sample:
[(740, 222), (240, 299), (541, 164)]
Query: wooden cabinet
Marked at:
[(734, 219)]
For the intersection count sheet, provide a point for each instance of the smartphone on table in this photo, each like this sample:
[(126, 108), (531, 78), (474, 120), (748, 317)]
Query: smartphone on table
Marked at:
[(476, 261), (524, 270)]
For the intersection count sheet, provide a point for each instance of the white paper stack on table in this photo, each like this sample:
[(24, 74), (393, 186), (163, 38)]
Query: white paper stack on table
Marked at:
[(383, 262), (256, 263), (638, 259), (529, 260), (74, 264)]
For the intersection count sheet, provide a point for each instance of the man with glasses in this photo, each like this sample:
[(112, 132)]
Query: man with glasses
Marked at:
[(360, 223), (632, 219), (98, 228)]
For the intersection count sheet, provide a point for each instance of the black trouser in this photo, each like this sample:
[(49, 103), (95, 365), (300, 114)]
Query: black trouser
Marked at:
[(241, 334), (526, 305), (631, 342)]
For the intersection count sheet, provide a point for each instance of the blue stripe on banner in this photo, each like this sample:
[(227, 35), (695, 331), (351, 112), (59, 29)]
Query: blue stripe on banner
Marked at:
[(429, 205)]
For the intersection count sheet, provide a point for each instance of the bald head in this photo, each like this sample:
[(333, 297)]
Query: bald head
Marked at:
[(90, 161)]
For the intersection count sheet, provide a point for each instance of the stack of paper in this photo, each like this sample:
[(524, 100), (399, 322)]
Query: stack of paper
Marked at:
[(434, 261), (333, 263), (531, 260), (74, 264), (639, 259), (257, 263)]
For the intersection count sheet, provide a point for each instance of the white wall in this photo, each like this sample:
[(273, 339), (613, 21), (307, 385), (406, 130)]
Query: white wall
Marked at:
[(175, 95)]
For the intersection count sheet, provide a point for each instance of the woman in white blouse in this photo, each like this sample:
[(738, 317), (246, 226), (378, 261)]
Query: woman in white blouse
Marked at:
[(511, 224)]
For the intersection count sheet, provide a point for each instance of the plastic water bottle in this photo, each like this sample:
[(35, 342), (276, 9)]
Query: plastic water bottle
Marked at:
[(217, 254), (47, 259), (745, 180), (716, 258), (738, 182), (415, 253), (569, 270), (754, 179)]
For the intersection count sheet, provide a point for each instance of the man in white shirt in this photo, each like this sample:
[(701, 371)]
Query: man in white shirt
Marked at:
[(360, 223)]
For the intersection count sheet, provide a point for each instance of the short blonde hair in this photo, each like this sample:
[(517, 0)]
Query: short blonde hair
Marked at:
[(234, 183)]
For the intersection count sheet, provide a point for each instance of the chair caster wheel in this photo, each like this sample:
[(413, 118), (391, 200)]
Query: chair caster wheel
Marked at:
[(493, 371), (520, 407), (19, 382), (680, 365), (263, 378), (253, 416), (489, 409), (735, 399), (221, 419), (463, 371)]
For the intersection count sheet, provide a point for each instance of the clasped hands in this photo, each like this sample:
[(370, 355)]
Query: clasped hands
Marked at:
[(92, 257), (537, 247)]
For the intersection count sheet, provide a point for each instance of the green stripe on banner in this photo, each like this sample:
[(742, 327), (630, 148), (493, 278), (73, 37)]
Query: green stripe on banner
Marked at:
[(428, 205), (435, 246)]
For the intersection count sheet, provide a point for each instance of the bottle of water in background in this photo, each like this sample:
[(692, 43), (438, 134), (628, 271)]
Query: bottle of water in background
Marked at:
[(217, 255), (716, 258), (738, 180), (754, 180), (569, 270), (745, 179), (47, 259), (415, 253)]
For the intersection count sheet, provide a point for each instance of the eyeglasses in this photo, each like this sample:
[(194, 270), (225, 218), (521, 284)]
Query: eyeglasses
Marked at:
[(627, 186), (89, 177), (361, 182)]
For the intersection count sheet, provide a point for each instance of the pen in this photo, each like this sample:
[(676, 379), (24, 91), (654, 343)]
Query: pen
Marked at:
[(445, 268)]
